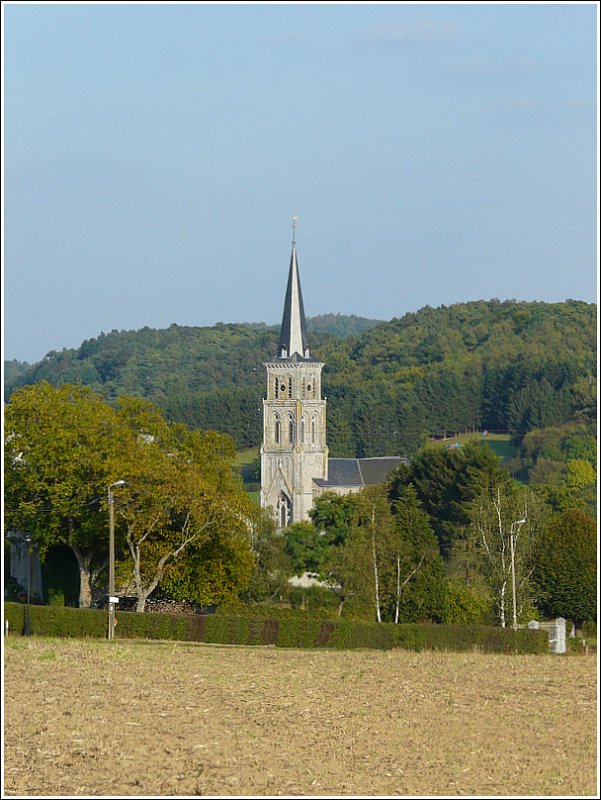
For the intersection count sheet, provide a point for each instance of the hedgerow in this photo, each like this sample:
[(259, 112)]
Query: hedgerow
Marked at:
[(282, 629)]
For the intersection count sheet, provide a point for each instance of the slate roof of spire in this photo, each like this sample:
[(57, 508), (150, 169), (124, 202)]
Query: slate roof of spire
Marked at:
[(293, 334)]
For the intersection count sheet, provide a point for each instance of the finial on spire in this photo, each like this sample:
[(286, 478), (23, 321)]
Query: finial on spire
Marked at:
[(293, 334)]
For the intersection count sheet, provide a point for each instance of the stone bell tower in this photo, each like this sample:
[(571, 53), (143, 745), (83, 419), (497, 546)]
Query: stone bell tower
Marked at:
[(294, 450)]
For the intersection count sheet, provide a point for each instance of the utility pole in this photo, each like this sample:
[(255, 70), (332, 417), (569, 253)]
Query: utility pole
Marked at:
[(112, 599), (27, 626), (512, 546)]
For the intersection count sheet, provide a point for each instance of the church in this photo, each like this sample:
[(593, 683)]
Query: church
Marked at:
[(295, 466)]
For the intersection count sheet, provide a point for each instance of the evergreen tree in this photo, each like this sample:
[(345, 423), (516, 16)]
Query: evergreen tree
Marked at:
[(446, 482), (419, 585), (564, 561)]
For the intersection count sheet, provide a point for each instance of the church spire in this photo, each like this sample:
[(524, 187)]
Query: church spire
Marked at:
[(293, 334)]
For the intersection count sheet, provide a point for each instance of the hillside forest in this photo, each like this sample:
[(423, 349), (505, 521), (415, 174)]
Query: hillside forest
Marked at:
[(501, 366), (526, 370)]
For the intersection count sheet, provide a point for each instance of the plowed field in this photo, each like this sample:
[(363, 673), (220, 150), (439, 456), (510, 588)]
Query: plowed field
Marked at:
[(142, 718)]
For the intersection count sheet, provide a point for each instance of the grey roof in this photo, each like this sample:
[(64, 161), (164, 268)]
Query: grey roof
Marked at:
[(344, 472), (376, 470), (293, 334), (353, 472)]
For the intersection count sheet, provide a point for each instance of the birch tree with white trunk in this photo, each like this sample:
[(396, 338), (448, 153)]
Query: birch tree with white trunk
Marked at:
[(504, 521), (402, 565)]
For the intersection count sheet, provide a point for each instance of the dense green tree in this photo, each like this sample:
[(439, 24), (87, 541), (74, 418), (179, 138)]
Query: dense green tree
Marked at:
[(375, 425), (564, 562), (393, 559), (332, 514), (561, 461), (212, 573), (451, 400), (307, 548), (340, 325), (237, 412), (319, 548), (59, 458), (537, 405), (584, 399), (64, 446), (182, 501), (469, 602), (446, 481), (340, 437), (419, 584), (322, 547), (380, 559), (272, 565), (13, 370), (367, 551)]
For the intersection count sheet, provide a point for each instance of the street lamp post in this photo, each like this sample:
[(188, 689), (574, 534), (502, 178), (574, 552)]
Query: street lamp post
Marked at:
[(512, 546), (27, 625), (112, 598)]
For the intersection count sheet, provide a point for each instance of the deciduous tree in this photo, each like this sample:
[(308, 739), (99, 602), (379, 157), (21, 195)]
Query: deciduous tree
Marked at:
[(60, 450), (504, 521), (389, 560), (64, 446), (181, 500)]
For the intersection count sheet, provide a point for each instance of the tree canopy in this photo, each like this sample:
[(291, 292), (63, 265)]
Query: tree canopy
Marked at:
[(379, 556), (59, 457), (446, 481), (64, 446)]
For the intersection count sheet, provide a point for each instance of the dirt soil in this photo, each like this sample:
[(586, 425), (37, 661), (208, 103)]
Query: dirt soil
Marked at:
[(177, 719)]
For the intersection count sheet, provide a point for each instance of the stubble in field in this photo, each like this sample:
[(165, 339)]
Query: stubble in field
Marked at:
[(142, 718)]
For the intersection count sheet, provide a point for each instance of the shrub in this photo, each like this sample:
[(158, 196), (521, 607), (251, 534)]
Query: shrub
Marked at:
[(458, 638), (57, 620), (314, 598), (131, 625), (284, 628), (349, 634), (301, 631), (589, 629), (468, 605)]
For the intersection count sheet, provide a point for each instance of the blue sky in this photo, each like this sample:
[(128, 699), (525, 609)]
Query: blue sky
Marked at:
[(155, 154)]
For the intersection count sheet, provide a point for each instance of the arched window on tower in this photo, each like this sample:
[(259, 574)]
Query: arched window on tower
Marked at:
[(290, 428), (278, 429), (302, 429), (284, 510), (313, 431)]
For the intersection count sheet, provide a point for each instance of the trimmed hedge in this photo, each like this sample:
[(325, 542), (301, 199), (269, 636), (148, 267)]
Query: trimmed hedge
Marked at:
[(461, 638), (294, 629), (57, 620)]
